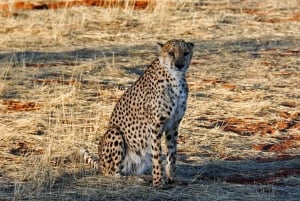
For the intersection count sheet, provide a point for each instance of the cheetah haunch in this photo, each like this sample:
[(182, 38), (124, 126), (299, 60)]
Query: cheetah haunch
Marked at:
[(154, 105)]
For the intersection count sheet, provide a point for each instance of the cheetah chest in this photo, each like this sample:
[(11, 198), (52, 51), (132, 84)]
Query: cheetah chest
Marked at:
[(178, 110)]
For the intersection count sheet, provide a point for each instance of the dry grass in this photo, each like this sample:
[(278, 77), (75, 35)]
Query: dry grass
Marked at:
[(63, 70)]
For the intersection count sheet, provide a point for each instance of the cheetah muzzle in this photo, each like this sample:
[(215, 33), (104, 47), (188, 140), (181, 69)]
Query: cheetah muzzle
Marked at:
[(154, 105)]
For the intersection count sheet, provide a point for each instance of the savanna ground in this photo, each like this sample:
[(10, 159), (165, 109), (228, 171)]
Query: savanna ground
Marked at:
[(62, 71)]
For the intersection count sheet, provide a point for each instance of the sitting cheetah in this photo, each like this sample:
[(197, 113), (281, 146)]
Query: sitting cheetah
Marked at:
[(154, 105)]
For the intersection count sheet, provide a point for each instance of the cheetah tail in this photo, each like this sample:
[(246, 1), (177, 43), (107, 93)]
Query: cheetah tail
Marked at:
[(88, 159)]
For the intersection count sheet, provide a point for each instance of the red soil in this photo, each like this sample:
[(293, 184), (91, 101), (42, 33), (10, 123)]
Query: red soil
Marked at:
[(264, 14), (279, 157), (8, 9), (246, 127), (280, 147), (256, 12), (294, 18), (270, 178), (23, 148), (14, 105), (217, 82), (229, 86), (52, 81), (41, 65), (250, 126)]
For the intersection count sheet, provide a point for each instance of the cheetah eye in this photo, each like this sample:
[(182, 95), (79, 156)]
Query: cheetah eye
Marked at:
[(186, 53), (171, 53)]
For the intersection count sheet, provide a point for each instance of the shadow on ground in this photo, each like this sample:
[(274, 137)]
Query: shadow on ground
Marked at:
[(194, 182), (201, 47)]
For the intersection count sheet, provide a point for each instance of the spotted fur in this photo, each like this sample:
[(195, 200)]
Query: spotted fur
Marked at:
[(153, 106)]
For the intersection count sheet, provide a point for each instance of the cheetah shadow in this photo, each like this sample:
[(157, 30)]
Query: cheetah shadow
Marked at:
[(190, 172), (189, 175)]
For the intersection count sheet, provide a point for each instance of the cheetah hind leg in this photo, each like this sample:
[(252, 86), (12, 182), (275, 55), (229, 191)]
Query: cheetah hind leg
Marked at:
[(112, 150)]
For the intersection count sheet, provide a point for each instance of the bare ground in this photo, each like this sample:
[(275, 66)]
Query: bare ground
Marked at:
[(62, 71)]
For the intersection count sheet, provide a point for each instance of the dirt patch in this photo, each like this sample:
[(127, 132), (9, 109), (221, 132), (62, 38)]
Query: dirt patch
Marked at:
[(136, 4), (26, 148), (213, 83), (49, 65), (271, 178), (279, 147), (249, 126), (19, 106), (278, 157), (294, 18), (49, 81)]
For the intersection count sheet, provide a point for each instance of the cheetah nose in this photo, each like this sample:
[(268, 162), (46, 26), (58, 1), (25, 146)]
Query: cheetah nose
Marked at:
[(179, 65)]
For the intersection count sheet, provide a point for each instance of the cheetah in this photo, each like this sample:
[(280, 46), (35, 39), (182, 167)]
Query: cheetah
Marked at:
[(154, 105)]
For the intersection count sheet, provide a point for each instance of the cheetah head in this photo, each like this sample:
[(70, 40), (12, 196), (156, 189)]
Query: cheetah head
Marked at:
[(176, 55)]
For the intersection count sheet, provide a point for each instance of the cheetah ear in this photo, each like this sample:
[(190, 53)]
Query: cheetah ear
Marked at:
[(160, 45), (191, 45)]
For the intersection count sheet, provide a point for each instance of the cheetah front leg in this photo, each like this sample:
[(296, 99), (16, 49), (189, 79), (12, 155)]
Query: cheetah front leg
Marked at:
[(171, 141), (156, 159)]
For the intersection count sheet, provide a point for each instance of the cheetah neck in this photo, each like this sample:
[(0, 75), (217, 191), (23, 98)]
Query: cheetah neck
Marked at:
[(173, 73)]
